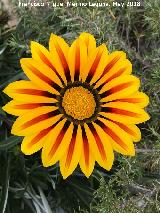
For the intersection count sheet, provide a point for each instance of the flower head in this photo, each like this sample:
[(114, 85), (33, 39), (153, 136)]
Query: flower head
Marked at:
[(79, 105)]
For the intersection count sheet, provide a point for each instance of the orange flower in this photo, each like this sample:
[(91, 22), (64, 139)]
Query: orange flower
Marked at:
[(79, 105)]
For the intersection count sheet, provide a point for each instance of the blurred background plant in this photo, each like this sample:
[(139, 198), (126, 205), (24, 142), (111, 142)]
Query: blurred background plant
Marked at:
[(133, 184)]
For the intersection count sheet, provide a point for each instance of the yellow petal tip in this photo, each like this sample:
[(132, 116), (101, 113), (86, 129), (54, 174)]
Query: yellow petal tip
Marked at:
[(65, 177), (33, 44), (5, 90)]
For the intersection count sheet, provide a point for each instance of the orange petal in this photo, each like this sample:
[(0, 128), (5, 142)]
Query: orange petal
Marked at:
[(101, 148), (90, 42), (41, 54), (138, 98), (58, 142), (18, 108), (95, 65), (36, 120), (131, 129), (33, 143), (27, 92), (77, 58), (118, 138), (70, 159), (121, 67), (119, 87), (59, 51), (41, 75), (127, 113), (87, 160)]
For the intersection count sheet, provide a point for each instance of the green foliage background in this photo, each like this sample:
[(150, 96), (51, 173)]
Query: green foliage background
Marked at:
[(133, 183)]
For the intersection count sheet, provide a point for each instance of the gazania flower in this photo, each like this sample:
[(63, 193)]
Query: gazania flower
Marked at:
[(79, 105)]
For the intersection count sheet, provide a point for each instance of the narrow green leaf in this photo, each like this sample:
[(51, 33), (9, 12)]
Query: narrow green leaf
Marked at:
[(10, 142), (5, 187), (44, 201), (2, 50)]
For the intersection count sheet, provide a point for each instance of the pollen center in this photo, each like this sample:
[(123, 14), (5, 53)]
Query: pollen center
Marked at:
[(79, 103)]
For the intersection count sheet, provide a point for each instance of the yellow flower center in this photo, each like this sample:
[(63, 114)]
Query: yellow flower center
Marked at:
[(79, 103)]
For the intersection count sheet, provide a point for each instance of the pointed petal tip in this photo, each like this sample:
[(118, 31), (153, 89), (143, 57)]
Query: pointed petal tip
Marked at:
[(8, 88), (87, 175), (148, 116), (53, 35), (13, 132), (22, 60), (33, 44), (85, 34), (136, 140), (108, 167), (45, 164), (5, 90), (4, 108), (7, 109), (131, 153), (64, 176), (24, 151)]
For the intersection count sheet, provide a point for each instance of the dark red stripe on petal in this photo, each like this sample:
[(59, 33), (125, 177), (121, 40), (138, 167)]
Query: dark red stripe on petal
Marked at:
[(77, 64), (29, 91), (98, 141), (32, 106), (100, 87), (44, 78), (111, 64), (108, 67), (94, 66), (58, 139), (71, 147), (125, 128), (67, 74), (39, 119), (112, 134), (85, 147), (115, 75), (27, 106), (38, 137), (105, 94), (63, 61), (132, 100), (47, 62), (120, 112), (39, 74), (105, 109), (61, 56), (121, 87), (35, 92), (124, 112), (116, 89)]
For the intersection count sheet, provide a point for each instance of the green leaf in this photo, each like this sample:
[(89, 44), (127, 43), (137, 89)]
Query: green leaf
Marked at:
[(2, 50), (5, 187), (44, 201), (10, 142)]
